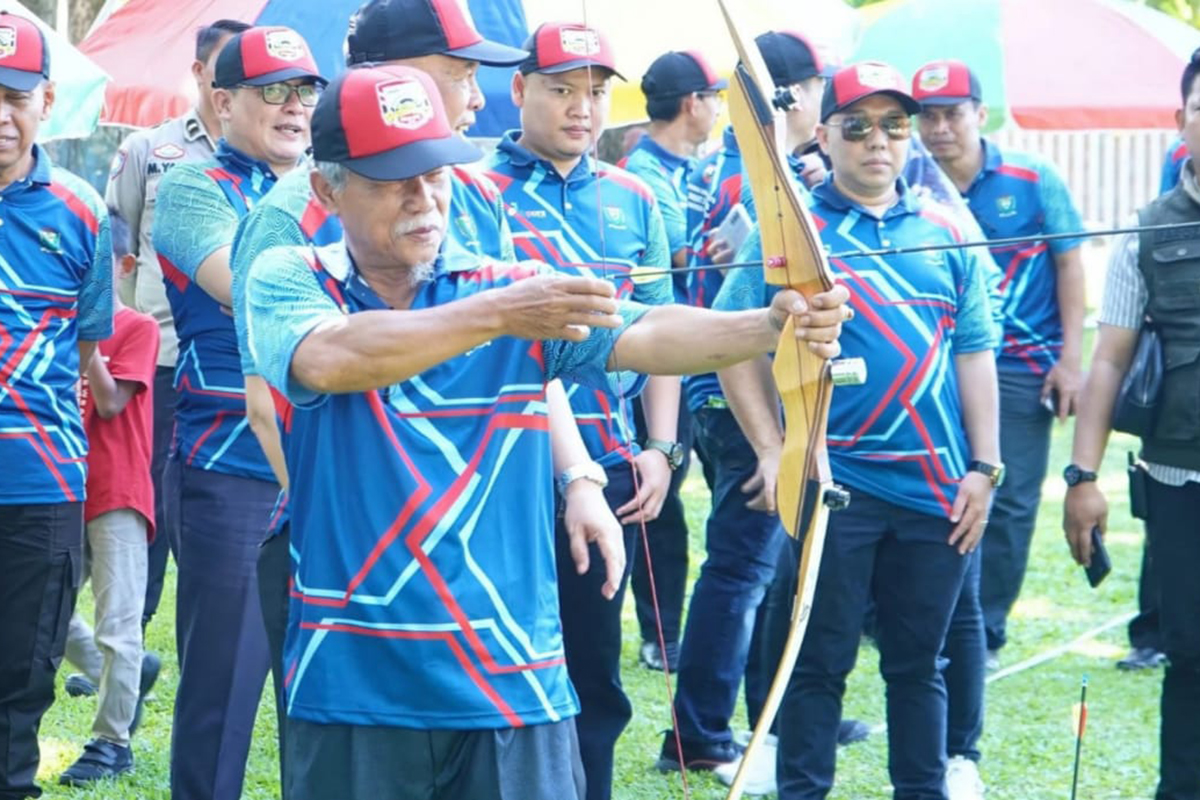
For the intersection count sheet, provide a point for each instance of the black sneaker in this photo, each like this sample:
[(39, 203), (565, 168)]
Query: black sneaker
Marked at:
[(78, 685), (651, 656), (1142, 658), (100, 760), (151, 665), (697, 757)]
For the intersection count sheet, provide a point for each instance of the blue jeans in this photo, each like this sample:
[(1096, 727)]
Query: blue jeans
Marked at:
[(898, 558), (742, 547), (1025, 450), (591, 627), (966, 657)]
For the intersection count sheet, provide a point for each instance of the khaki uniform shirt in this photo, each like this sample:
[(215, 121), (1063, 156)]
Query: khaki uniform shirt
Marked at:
[(141, 161)]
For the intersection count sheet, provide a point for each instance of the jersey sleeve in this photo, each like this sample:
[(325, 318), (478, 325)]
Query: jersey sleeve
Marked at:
[(1061, 215), (192, 219), (96, 293), (284, 304), (259, 231), (974, 328)]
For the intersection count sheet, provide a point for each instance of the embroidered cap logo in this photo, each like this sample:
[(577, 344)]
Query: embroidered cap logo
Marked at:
[(934, 79), (403, 104), (8, 41), (876, 76), (285, 46), (579, 41)]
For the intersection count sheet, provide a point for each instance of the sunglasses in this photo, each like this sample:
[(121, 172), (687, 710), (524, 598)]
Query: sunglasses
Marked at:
[(857, 128), (277, 94)]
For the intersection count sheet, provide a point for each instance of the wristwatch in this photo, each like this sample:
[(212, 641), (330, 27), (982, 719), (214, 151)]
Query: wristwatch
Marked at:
[(586, 471), (995, 472), (1075, 475), (672, 450)]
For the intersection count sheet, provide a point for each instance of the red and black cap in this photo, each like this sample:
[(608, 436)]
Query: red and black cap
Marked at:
[(678, 73), (853, 83), (791, 58), (388, 30), (259, 56), (24, 57), (386, 123), (945, 83), (563, 46)]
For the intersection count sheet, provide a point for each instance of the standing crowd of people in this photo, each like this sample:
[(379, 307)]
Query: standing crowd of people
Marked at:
[(408, 417)]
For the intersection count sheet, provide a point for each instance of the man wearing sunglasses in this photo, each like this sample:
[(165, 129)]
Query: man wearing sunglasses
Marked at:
[(683, 100), (220, 487), (1042, 292), (916, 445)]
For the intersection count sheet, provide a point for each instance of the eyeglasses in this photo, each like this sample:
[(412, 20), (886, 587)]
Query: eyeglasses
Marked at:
[(706, 95), (277, 94), (858, 128)]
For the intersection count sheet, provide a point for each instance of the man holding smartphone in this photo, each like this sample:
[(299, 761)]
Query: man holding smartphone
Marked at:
[(1153, 274)]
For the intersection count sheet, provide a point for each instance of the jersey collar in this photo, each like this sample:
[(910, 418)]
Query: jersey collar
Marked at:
[(827, 193), (521, 156)]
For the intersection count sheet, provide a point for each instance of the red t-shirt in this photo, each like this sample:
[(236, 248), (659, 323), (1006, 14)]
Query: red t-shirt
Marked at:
[(119, 448)]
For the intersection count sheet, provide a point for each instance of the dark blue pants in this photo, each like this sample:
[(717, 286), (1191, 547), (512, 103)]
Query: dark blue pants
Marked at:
[(966, 668), (667, 537), (162, 545), (771, 626), (1143, 629), (220, 636), (1025, 450), (41, 554), (592, 643), (274, 569), (900, 559), (1174, 536), (742, 547)]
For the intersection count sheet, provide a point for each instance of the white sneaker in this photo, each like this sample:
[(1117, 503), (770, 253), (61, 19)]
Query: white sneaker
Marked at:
[(962, 779), (761, 779)]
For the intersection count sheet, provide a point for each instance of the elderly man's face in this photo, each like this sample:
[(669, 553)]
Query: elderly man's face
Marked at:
[(21, 114), (395, 222)]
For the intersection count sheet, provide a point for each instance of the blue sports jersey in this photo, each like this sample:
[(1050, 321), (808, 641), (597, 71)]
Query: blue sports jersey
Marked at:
[(423, 595), (1020, 195), (900, 436), (55, 291), (199, 208), (667, 175), (602, 224), (714, 188), (1177, 154)]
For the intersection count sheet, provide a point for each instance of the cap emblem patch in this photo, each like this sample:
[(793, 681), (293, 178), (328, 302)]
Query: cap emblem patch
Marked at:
[(875, 76), (285, 46), (404, 104), (579, 41), (8, 41), (934, 79)]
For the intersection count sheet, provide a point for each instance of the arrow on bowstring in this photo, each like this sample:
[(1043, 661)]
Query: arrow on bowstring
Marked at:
[(932, 248)]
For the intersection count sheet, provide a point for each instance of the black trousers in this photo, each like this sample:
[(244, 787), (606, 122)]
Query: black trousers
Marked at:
[(274, 568), (1174, 538), (40, 567), (162, 545)]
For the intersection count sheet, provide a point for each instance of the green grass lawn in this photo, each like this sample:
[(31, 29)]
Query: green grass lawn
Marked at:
[(1028, 744)]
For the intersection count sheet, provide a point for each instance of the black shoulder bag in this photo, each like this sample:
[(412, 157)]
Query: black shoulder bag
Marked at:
[(1137, 401)]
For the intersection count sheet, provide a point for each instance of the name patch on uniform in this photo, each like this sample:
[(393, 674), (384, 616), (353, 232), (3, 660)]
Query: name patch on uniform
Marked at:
[(8, 41), (579, 41), (403, 104), (284, 45), (169, 152), (934, 78)]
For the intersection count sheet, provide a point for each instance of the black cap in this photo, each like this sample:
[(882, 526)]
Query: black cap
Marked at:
[(387, 30), (791, 58), (679, 73)]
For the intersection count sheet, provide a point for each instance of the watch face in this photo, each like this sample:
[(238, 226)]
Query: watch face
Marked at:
[(1071, 474)]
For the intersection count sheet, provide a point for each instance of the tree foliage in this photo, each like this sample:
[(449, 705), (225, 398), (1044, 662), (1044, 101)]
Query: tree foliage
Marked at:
[(1186, 10)]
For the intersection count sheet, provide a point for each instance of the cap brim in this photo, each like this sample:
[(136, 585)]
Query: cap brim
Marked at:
[(944, 101), (415, 159), (720, 86), (490, 54), (291, 73), (910, 105), (580, 63), (19, 79)]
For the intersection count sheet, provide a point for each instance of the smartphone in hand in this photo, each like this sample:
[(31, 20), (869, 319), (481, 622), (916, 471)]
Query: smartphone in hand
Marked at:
[(1101, 564)]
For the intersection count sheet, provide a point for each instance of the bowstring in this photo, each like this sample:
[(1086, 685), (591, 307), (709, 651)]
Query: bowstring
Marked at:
[(624, 418)]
